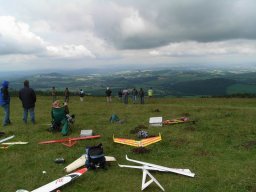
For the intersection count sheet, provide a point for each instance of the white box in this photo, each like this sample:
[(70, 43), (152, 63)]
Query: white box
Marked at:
[(86, 133), (156, 121)]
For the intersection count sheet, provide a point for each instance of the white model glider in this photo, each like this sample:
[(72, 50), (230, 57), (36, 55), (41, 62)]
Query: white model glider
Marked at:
[(58, 182), (149, 166)]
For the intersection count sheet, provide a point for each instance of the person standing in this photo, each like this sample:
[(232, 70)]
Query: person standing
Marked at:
[(66, 94), (5, 102), (27, 96), (125, 95), (54, 94), (81, 94), (141, 95), (150, 92), (108, 93), (134, 95), (120, 94)]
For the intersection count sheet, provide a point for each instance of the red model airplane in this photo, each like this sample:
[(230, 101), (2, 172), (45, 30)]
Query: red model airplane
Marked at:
[(69, 141)]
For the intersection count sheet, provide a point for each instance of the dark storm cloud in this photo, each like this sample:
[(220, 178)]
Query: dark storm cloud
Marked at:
[(176, 21)]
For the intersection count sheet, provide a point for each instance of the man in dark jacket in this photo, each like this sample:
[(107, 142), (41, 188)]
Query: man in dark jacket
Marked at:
[(5, 102), (28, 98), (108, 94)]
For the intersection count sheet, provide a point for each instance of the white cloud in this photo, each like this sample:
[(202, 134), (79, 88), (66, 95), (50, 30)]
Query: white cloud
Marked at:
[(69, 51), (193, 48), (41, 26), (16, 37), (126, 32), (133, 24)]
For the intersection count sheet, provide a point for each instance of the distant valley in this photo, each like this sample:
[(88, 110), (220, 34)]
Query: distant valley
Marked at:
[(165, 82)]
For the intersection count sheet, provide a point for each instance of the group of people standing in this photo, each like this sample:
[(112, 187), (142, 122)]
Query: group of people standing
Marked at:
[(67, 94), (28, 99), (123, 95)]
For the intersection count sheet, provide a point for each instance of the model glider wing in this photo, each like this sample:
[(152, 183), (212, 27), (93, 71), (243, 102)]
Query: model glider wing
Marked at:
[(150, 140), (69, 141), (141, 143), (80, 162), (185, 172), (124, 141), (15, 143), (7, 138), (7, 145)]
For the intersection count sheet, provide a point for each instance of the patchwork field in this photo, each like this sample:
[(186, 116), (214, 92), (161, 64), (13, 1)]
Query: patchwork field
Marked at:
[(219, 146)]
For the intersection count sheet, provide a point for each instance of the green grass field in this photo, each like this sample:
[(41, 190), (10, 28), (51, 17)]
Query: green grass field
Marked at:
[(219, 148)]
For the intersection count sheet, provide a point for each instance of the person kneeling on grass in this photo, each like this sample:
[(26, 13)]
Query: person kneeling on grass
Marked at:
[(61, 120)]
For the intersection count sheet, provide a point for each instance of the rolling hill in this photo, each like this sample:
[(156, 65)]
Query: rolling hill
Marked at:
[(164, 82)]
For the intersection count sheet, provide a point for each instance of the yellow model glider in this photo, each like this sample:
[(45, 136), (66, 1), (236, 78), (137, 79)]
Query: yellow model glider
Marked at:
[(141, 143)]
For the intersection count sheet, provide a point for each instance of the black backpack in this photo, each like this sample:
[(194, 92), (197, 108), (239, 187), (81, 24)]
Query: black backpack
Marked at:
[(95, 157)]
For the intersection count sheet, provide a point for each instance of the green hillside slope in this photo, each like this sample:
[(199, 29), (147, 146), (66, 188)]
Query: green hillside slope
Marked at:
[(218, 146)]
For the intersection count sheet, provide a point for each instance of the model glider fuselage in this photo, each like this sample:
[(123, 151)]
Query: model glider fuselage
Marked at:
[(176, 121), (61, 181), (52, 186), (151, 166)]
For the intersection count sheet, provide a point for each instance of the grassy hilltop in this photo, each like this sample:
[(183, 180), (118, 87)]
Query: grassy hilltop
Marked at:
[(219, 148)]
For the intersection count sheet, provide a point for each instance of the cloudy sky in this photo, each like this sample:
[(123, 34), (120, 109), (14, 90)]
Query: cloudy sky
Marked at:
[(42, 34)]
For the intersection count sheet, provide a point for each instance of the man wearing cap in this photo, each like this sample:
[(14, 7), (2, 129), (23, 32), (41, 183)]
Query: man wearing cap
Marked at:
[(5, 102)]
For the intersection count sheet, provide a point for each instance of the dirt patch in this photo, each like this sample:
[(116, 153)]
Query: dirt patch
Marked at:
[(249, 145), (156, 110), (203, 153), (185, 114), (140, 150), (251, 188), (190, 128), (179, 142)]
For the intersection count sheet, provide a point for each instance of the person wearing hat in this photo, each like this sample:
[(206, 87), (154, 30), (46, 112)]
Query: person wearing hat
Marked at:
[(60, 118), (5, 102)]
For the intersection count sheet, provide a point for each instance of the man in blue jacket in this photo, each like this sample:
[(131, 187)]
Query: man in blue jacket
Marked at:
[(5, 102), (28, 98)]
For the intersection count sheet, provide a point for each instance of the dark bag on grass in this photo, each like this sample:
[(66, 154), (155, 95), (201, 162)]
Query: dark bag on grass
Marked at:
[(95, 157)]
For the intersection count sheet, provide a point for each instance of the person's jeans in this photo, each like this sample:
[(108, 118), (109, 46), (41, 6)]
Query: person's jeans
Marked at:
[(134, 98), (141, 100), (31, 112), (6, 108), (125, 99)]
